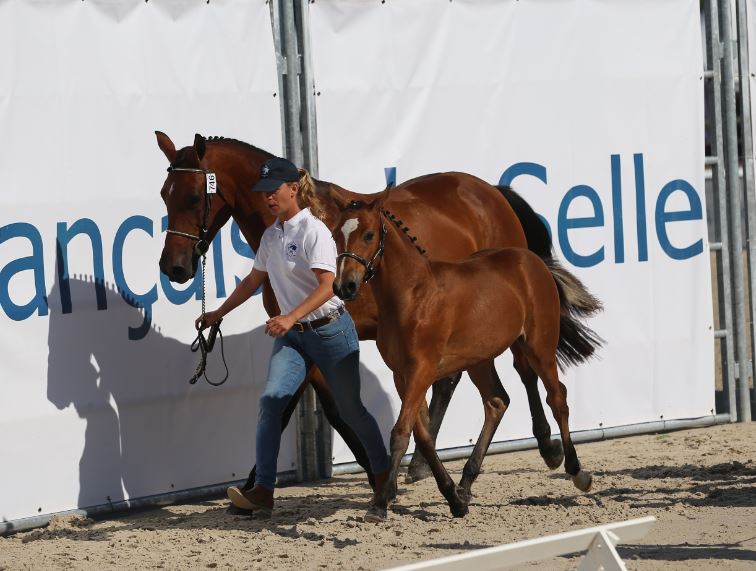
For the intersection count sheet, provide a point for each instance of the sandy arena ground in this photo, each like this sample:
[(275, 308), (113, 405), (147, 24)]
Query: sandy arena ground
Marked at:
[(700, 485)]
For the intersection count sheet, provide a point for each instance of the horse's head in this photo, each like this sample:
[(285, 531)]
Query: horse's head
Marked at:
[(185, 195), (359, 235)]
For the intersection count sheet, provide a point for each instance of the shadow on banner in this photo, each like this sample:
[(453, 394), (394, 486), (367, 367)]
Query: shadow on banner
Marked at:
[(149, 431)]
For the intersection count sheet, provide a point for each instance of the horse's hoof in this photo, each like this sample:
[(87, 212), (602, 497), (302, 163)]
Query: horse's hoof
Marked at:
[(417, 473), (553, 454), (375, 514), (459, 510), (583, 480), (464, 494)]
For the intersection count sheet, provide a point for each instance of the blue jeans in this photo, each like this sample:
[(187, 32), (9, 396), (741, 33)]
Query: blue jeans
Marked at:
[(334, 348)]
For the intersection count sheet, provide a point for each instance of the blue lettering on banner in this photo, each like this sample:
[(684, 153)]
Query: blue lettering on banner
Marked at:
[(34, 263), (564, 223), (568, 226), (144, 300), (662, 216)]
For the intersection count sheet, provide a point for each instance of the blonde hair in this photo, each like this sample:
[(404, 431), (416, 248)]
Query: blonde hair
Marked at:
[(307, 197)]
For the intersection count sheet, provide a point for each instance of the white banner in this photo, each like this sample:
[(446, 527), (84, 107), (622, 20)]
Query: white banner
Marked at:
[(93, 408), (593, 111)]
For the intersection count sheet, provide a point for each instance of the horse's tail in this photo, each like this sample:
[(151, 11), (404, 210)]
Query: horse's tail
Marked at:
[(574, 297), (577, 342)]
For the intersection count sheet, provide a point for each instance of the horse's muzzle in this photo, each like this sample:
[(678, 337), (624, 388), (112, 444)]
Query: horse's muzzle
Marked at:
[(177, 271), (346, 290)]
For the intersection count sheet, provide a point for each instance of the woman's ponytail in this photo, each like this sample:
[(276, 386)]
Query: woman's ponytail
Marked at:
[(307, 197)]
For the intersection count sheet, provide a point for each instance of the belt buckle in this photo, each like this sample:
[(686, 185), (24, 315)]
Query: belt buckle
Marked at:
[(298, 326)]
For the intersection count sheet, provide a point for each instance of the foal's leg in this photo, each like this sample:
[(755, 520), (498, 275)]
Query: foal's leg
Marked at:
[(412, 389), (331, 413), (545, 365), (446, 486), (495, 403), (551, 450), (443, 389)]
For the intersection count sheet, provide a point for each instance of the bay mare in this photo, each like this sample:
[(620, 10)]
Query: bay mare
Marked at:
[(437, 317), (453, 214)]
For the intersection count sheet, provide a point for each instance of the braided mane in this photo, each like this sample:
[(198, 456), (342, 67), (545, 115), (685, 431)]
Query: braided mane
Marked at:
[(399, 224)]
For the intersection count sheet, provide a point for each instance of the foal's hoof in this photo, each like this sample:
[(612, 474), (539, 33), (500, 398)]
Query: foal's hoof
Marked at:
[(375, 514), (583, 480), (553, 454), (415, 473)]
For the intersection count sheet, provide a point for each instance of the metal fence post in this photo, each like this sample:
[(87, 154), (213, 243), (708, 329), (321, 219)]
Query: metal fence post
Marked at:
[(720, 244), (289, 66), (735, 208), (746, 134)]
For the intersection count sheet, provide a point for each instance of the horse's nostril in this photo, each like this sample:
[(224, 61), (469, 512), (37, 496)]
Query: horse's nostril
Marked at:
[(351, 288)]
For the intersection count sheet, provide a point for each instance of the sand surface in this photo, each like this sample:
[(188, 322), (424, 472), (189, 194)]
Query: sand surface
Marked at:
[(699, 484)]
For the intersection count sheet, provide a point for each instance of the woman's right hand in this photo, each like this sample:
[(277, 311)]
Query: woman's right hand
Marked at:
[(209, 319)]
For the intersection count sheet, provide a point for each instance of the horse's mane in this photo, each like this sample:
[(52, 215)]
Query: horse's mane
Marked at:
[(229, 141), (398, 223)]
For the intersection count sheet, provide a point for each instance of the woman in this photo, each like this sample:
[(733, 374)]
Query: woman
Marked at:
[(298, 254)]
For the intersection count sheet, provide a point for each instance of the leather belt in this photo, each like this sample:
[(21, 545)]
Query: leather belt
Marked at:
[(302, 326)]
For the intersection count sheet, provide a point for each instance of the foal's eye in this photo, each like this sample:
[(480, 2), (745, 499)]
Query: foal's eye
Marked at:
[(369, 236)]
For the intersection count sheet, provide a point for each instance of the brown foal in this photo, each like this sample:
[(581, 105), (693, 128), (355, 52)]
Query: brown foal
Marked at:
[(436, 318)]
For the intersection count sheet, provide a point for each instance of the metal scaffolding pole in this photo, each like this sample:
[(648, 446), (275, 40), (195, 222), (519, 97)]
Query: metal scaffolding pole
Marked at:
[(289, 67), (746, 136), (735, 209), (720, 244)]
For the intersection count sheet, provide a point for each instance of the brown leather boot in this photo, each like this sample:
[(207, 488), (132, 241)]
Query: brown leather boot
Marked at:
[(259, 499)]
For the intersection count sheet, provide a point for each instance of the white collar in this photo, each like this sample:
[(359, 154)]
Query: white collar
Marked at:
[(294, 220)]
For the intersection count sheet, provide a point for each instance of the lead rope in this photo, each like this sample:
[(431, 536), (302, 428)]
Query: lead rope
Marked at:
[(205, 346)]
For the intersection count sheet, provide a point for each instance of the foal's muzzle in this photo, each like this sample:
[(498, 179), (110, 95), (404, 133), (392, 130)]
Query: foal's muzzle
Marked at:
[(347, 289)]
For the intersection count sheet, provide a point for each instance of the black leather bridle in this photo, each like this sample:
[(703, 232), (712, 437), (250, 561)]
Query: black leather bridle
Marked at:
[(202, 245)]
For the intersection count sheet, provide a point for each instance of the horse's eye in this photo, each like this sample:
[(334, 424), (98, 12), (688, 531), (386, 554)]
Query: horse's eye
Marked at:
[(193, 200), (369, 236), (355, 205)]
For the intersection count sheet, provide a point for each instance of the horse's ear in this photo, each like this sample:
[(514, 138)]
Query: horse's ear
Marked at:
[(166, 145), (340, 201), (199, 145), (381, 199)]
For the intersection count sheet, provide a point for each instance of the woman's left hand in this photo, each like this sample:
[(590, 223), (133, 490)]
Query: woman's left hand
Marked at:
[(278, 326)]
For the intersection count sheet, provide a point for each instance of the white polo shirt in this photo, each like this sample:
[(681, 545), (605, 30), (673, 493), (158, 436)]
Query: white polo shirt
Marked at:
[(289, 253)]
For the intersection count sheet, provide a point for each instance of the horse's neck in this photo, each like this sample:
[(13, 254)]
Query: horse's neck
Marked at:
[(238, 169), (404, 275)]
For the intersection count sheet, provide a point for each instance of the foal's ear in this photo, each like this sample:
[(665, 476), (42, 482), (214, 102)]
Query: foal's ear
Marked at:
[(199, 145), (380, 199), (166, 145)]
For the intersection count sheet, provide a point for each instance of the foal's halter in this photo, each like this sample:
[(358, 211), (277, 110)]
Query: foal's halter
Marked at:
[(200, 248), (370, 266)]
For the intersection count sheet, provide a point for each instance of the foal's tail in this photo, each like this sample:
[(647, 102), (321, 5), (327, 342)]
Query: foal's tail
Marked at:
[(577, 342)]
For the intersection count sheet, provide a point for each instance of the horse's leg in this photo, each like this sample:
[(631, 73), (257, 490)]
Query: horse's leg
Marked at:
[(329, 409), (545, 365), (443, 389), (495, 403), (411, 389), (345, 431), (425, 445), (551, 450)]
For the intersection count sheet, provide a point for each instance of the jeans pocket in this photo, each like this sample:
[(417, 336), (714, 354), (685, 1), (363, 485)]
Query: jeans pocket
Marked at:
[(330, 330)]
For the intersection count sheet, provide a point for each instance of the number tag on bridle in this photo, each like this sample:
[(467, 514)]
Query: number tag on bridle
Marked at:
[(211, 183)]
